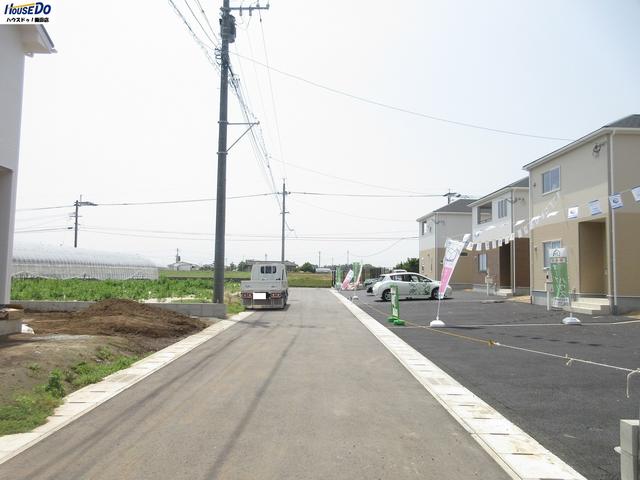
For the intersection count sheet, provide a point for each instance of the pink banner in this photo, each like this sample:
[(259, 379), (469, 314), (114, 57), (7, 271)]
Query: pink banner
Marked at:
[(347, 280), (451, 256)]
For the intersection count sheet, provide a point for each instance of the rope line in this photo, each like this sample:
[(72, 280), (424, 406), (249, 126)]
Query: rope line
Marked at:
[(492, 343)]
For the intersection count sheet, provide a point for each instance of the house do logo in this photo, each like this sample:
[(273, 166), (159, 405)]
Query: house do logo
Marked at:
[(33, 12)]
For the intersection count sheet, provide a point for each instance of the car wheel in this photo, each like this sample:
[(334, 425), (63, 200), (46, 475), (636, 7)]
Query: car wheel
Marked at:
[(434, 293), (386, 295)]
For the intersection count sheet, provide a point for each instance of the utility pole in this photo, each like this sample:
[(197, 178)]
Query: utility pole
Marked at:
[(284, 213), (347, 258), (77, 204), (227, 36), (450, 194), (319, 259)]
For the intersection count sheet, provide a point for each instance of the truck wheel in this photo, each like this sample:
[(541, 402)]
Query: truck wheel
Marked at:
[(386, 296), (434, 293)]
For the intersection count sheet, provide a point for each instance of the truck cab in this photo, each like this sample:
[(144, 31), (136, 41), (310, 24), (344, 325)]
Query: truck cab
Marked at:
[(268, 287)]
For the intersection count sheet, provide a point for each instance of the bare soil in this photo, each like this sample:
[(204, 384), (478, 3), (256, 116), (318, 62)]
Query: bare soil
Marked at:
[(63, 339)]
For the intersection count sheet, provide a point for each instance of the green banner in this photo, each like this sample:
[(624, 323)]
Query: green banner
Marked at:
[(338, 277), (559, 277), (395, 302)]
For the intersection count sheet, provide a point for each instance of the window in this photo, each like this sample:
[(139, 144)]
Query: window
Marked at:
[(482, 262), (268, 269), (502, 208), (427, 227), (484, 213), (551, 180), (547, 247)]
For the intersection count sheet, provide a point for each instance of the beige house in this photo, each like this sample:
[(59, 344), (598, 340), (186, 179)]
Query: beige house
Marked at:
[(451, 221), (498, 219), (570, 207)]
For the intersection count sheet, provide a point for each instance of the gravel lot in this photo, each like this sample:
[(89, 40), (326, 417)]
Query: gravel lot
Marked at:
[(573, 410)]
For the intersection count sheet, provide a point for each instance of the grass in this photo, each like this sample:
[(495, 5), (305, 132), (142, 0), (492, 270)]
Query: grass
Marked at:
[(30, 410), (296, 279)]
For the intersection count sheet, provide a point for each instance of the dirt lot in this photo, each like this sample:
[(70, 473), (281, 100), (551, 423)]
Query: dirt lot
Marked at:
[(63, 339)]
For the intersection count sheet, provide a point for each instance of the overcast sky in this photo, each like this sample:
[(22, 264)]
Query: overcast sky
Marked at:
[(127, 111)]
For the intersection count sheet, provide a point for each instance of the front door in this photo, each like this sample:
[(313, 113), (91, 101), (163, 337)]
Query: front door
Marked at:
[(593, 258)]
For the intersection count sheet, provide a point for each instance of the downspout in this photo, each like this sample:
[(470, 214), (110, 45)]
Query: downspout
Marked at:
[(612, 227), (531, 258), (513, 248), (435, 243)]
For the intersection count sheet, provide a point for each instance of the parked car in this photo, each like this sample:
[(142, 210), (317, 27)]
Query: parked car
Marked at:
[(370, 282), (410, 285)]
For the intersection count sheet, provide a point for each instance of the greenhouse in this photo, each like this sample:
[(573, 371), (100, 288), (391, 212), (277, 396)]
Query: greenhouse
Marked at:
[(48, 261)]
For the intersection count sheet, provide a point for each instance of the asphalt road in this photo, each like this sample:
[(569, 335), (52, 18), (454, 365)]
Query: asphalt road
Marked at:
[(574, 411), (306, 393)]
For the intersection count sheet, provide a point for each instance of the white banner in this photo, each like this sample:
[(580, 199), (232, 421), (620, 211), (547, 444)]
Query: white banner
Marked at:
[(636, 193), (594, 207), (451, 256), (615, 201), (572, 212)]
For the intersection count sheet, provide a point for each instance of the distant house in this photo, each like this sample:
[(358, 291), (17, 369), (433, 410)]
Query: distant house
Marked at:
[(181, 266), (498, 221), (451, 221)]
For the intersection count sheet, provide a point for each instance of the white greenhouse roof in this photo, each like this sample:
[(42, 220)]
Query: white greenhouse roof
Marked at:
[(56, 255)]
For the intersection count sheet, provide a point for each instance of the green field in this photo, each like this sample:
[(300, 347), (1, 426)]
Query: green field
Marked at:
[(296, 279), (187, 287)]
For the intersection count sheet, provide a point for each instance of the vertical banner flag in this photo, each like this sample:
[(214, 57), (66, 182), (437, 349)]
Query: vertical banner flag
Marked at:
[(559, 276), (615, 201), (395, 302), (453, 249), (636, 193), (347, 280), (572, 212), (594, 207), (356, 273), (470, 246), (338, 277), (500, 240), (512, 237), (479, 247)]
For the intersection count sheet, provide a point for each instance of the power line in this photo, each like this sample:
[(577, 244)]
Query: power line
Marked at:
[(214, 43), (365, 195), (384, 249), (206, 19), (400, 109), (352, 215)]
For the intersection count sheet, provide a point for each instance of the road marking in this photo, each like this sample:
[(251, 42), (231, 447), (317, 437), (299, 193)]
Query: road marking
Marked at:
[(519, 454), (86, 399)]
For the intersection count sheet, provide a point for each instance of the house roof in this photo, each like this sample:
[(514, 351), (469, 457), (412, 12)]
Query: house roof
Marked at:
[(629, 123), (35, 39), (522, 183), (632, 121), (459, 206)]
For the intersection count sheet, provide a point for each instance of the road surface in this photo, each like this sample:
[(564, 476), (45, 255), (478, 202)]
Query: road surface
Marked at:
[(305, 393)]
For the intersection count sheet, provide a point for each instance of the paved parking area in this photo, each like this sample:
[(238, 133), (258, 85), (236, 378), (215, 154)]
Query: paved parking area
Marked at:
[(574, 411)]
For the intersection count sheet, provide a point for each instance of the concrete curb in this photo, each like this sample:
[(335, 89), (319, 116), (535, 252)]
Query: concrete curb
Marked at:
[(521, 456), (86, 399)]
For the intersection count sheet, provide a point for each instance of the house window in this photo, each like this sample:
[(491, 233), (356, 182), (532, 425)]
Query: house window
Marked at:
[(551, 180), (502, 208), (482, 262), (484, 213), (547, 247)]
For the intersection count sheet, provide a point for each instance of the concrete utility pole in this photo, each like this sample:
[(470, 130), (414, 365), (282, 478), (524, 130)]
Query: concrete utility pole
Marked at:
[(450, 194), (284, 213), (78, 204), (227, 36), (319, 259)]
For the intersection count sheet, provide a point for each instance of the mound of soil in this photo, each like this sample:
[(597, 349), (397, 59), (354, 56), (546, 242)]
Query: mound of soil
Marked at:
[(118, 318)]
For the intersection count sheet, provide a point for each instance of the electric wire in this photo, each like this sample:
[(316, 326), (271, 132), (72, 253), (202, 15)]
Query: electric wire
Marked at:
[(214, 43), (401, 109)]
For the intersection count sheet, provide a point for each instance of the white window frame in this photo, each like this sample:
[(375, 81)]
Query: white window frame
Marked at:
[(503, 208), (482, 259), (542, 180), (545, 258)]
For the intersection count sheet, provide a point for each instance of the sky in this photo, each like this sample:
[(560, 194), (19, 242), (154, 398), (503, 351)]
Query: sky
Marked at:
[(127, 111)]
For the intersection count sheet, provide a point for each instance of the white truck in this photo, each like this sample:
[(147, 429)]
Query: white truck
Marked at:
[(268, 287)]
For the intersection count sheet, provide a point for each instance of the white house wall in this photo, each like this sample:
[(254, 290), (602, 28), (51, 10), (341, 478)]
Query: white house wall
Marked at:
[(11, 77)]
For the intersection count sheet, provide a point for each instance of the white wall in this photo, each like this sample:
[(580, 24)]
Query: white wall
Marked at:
[(11, 76), (499, 228)]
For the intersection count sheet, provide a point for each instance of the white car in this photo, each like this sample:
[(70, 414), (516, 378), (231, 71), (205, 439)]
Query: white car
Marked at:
[(410, 285)]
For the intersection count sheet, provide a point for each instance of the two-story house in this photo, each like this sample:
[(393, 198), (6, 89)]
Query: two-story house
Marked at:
[(574, 204), (451, 221), (497, 220)]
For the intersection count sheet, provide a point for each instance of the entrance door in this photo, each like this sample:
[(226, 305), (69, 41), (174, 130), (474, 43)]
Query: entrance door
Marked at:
[(593, 263), (505, 266)]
